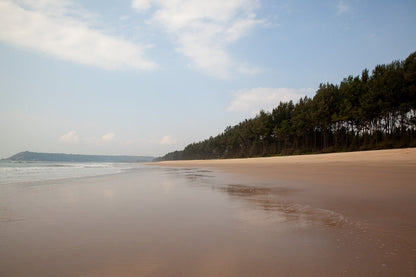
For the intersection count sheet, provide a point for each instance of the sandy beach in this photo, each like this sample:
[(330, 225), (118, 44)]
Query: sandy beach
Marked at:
[(372, 189), (348, 214)]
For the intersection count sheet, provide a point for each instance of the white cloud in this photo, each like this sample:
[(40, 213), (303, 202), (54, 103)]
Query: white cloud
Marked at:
[(70, 137), (57, 7), (255, 99), (141, 5), (51, 27), (108, 137), (166, 140), (73, 137), (202, 29), (342, 7)]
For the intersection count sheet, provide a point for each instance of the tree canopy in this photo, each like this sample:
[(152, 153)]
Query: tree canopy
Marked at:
[(371, 111)]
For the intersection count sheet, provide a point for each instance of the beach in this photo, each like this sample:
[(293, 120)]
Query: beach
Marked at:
[(347, 214), (375, 190)]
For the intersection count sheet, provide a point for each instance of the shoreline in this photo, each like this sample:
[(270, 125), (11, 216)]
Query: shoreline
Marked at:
[(402, 154), (378, 174), (394, 166)]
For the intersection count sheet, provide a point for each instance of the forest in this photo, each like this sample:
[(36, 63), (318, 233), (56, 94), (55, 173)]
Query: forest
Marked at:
[(371, 111)]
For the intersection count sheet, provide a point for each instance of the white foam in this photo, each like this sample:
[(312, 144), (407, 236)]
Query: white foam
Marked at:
[(13, 172)]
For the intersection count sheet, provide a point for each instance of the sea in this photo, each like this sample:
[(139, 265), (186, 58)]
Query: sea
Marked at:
[(12, 172)]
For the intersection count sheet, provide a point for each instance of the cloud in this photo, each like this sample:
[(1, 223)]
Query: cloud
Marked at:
[(141, 5), (166, 140), (73, 137), (59, 29), (342, 7), (202, 30), (255, 99), (70, 137), (108, 137)]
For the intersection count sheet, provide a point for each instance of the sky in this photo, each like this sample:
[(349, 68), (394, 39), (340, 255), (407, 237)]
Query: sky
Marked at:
[(146, 77)]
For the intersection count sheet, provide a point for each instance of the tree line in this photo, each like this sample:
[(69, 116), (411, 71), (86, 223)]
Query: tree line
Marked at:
[(371, 111)]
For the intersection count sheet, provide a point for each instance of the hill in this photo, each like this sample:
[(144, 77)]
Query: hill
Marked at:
[(60, 157)]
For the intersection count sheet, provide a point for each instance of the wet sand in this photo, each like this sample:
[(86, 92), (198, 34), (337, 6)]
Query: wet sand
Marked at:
[(371, 195)]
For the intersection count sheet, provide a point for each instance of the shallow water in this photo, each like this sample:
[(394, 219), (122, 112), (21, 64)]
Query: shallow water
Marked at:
[(153, 221), (12, 172)]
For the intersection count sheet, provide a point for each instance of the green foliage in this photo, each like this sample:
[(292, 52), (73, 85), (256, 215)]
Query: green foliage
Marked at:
[(363, 112)]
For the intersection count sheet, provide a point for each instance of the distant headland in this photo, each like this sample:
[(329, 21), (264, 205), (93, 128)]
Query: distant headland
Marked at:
[(60, 157)]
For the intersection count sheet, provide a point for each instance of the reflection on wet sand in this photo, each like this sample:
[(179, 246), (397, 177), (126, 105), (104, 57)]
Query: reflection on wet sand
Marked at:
[(267, 206), (236, 189), (263, 199)]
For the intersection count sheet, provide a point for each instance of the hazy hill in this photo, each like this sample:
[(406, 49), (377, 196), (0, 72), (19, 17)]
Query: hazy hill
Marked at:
[(60, 157)]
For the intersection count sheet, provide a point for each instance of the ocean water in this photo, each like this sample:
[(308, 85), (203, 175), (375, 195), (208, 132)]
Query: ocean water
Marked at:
[(23, 172)]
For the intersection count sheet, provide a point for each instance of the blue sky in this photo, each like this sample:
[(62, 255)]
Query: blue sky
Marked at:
[(146, 77)]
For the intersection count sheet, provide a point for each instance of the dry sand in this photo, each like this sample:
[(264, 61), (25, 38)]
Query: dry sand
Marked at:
[(375, 189)]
